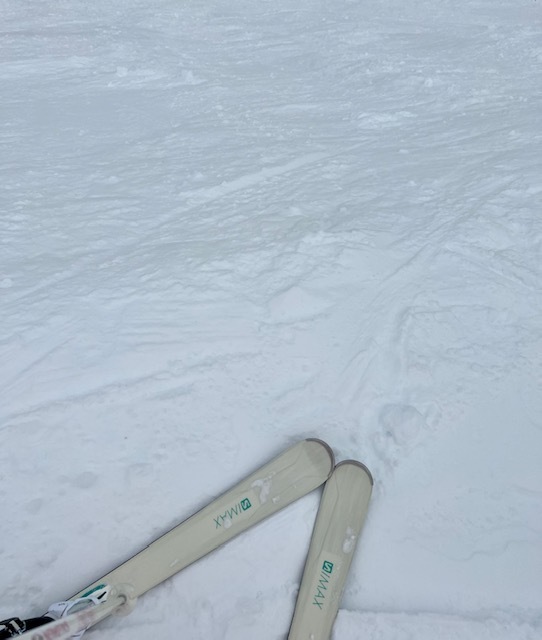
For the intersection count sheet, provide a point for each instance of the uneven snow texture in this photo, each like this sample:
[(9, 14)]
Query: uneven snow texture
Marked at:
[(226, 226)]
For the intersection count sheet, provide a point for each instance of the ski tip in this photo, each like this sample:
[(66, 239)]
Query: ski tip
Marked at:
[(328, 449), (357, 463)]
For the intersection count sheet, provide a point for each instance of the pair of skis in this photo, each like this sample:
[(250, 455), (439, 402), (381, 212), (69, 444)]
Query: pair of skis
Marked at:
[(288, 477)]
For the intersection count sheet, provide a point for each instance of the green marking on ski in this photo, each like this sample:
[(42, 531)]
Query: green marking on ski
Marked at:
[(226, 519), (322, 584)]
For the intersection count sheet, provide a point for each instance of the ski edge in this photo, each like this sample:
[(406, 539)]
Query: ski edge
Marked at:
[(329, 450), (357, 463)]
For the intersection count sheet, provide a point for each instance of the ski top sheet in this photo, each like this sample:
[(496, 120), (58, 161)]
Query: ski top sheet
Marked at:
[(337, 528), (291, 475)]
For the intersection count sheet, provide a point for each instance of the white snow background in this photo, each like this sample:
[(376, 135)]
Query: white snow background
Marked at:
[(227, 226)]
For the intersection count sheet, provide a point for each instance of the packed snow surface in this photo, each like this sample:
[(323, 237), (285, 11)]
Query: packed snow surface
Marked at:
[(228, 226)]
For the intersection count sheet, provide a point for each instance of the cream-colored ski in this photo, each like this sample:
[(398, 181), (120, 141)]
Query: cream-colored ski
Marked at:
[(336, 531), (291, 475)]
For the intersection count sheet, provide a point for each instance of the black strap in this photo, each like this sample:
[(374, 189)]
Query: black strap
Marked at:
[(13, 627)]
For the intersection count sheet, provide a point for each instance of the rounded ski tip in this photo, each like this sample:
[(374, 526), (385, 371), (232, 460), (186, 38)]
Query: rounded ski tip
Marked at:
[(357, 463), (328, 449)]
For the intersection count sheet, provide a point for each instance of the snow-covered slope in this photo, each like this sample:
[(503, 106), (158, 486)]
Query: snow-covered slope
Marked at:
[(229, 226)]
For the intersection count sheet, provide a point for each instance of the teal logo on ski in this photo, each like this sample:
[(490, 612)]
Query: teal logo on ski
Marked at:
[(322, 584), (227, 518), (327, 566)]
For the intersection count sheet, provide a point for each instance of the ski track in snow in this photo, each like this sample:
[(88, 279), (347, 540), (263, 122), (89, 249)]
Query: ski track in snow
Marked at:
[(226, 228)]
